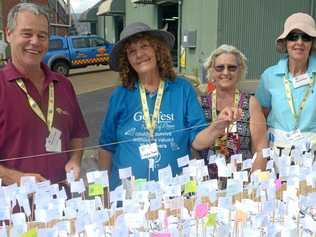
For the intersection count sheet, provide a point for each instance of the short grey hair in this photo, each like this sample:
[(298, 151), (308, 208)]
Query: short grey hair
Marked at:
[(224, 48), (29, 7)]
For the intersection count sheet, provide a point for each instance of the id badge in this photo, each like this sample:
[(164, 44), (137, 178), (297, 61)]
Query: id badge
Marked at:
[(233, 128), (149, 151), (53, 141), (301, 80)]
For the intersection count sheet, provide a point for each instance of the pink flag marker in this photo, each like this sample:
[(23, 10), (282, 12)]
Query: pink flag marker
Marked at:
[(201, 210), (160, 234), (278, 184)]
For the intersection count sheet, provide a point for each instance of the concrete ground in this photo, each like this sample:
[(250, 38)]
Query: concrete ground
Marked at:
[(93, 78), (93, 86)]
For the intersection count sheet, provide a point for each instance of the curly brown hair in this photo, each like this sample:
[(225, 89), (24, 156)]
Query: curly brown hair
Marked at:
[(129, 76)]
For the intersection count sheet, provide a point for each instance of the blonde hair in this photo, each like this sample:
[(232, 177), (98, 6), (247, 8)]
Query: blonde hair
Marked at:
[(224, 48)]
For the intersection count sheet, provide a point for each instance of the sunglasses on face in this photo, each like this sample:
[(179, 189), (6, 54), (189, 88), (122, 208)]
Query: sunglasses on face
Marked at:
[(230, 68), (297, 35)]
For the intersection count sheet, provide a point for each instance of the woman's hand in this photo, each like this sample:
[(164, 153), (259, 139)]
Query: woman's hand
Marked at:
[(207, 136), (227, 116), (230, 114)]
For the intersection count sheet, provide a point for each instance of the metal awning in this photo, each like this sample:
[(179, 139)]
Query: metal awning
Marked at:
[(153, 1), (90, 15), (111, 8), (104, 8), (165, 1), (143, 1)]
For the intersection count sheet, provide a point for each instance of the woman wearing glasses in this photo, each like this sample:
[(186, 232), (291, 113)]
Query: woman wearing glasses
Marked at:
[(226, 66), (286, 90)]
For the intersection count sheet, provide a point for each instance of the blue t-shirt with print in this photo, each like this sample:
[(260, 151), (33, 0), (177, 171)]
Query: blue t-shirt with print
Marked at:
[(180, 119)]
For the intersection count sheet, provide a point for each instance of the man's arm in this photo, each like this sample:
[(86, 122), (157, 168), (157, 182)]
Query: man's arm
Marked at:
[(105, 160), (74, 163), (10, 176)]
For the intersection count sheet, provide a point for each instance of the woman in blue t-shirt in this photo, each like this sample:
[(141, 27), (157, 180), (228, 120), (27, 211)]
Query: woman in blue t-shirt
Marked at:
[(154, 118)]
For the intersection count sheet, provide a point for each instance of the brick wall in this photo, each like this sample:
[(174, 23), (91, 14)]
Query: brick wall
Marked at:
[(8, 4)]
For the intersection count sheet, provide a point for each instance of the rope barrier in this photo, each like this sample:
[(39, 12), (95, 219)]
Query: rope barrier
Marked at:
[(90, 147), (108, 144)]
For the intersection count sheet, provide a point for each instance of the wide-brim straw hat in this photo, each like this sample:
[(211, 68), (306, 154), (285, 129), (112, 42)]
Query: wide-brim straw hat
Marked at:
[(131, 30), (297, 21)]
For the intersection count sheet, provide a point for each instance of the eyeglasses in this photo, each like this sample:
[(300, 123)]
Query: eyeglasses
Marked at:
[(295, 36), (230, 68)]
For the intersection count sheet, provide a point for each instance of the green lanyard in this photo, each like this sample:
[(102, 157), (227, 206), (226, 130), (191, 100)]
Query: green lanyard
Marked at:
[(151, 123), (36, 109), (289, 96)]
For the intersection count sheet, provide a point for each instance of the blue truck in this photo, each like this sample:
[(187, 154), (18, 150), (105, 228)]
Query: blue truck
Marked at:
[(67, 52)]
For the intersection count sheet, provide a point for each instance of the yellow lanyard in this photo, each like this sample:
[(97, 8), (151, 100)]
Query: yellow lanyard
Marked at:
[(236, 101), (151, 123), (290, 100), (36, 109), (221, 142)]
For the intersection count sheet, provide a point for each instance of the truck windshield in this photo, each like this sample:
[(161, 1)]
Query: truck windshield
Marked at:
[(55, 44)]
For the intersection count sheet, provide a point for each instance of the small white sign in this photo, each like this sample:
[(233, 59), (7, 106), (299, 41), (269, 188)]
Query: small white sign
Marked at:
[(125, 173), (77, 186), (266, 152), (18, 218), (246, 164), (183, 161), (296, 135), (155, 204), (28, 183), (237, 158), (70, 176)]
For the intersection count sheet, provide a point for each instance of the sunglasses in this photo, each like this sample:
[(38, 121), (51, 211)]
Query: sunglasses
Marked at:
[(230, 68), (297, 35)]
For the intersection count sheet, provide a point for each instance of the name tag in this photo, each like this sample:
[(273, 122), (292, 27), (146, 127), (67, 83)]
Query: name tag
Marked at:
[(301, 80), (233, 128), (53, 141), (296, 135), (148, 150)]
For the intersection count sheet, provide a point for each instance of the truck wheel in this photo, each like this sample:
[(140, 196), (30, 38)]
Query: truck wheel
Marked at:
[(61, 67)]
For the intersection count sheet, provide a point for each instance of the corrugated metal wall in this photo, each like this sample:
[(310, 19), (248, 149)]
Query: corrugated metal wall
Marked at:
[(146, 13), (253, 25), (200, 16)]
